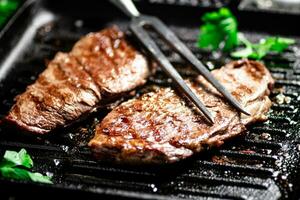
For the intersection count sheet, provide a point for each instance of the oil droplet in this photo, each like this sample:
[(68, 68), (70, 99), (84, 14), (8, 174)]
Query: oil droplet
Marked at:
[(65, 148), (216, 55), (284, 169), (268, 151), (286, 155), (275, 173), (78, 23), (50, 174), (284, 177), (265, 136), (47, 142), (71, 136), (56, 162), (280, 98), (278, 163), (154, 188), (210, 65)]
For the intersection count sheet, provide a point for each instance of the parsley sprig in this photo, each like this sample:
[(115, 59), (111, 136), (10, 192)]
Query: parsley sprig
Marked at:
[(16, 165), (259, 50), (220, 31)]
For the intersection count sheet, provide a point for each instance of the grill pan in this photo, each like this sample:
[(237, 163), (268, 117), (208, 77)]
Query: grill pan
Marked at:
[(261, 165)]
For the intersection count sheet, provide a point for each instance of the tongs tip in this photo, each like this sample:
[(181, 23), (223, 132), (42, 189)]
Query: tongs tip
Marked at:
[(238, 106), (245, 112), (210, 119)]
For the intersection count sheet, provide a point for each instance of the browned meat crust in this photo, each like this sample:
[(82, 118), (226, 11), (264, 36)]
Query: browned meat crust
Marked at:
[(160, 127), (101, 66)]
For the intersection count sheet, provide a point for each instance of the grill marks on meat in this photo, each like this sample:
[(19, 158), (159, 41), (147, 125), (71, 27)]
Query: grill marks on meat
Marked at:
[(121, 69), (100, 67), (161, 127)]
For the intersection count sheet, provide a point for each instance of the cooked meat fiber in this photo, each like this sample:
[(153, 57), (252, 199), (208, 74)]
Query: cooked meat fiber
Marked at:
[(161, 127), (100, 67)]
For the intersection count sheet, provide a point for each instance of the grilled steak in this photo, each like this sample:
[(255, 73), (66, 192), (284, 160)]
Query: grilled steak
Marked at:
[(161, 127), (100, 67)]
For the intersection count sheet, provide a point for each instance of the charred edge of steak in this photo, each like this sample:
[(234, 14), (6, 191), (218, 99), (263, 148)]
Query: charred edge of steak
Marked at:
[(101, 67), (161, 127)]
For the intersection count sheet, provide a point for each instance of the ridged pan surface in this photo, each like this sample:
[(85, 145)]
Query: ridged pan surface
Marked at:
[(261, 165)]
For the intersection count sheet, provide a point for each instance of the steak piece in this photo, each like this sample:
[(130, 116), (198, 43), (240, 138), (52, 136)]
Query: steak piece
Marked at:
[(100, 67), (161, 127)]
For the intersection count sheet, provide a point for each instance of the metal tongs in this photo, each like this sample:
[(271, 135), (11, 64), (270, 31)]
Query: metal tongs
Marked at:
[(137, 24)]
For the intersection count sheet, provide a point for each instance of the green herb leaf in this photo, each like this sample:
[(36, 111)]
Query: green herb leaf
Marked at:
[(280, 43), (15, 173), (37, 177), (7, 7), (23, 174), (261, 49), (219, 30), (243, 53), (13, 163), (19, 159)]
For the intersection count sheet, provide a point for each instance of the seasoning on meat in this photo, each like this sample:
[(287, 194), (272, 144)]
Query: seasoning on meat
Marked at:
[(100, 67), (161, 127)]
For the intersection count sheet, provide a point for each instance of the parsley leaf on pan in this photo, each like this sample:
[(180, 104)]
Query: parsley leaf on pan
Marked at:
[(38, 177), (259, 50), (219, 30), (23, 174), (18, 158), (16, 165)]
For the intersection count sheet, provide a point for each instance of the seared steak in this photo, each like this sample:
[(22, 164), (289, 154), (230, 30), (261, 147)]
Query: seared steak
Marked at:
[(161, 127), (100, 67)]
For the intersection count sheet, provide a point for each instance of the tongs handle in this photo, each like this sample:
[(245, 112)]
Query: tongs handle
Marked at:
[(127, 7)]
